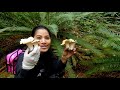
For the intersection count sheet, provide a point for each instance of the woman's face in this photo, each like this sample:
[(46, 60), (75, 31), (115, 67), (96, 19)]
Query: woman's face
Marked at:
[(45, 40)]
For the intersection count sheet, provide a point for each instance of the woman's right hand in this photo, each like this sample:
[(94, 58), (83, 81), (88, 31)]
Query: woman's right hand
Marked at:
[(30, 59)]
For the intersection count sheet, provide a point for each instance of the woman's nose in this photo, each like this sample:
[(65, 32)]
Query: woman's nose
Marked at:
[(43, 40)]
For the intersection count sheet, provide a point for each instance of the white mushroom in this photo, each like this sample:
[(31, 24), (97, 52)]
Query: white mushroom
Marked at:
[(69, 44), (30, 42)]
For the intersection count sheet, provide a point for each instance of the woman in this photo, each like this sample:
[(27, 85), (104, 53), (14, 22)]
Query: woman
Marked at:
[(41, 62)]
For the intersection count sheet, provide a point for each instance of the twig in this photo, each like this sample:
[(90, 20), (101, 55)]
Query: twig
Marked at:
[(3, 68)]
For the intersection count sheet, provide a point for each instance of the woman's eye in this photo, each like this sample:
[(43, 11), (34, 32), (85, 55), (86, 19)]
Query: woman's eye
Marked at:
[(38, 37), (47, 37)]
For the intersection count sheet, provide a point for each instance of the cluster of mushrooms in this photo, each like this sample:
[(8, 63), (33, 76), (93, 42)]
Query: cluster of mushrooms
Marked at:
[(30, 42), (69, 44)]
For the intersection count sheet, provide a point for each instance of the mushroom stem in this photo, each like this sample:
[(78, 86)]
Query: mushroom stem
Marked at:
[(67, 45), (30, 46), (30, 42), (71, 46)]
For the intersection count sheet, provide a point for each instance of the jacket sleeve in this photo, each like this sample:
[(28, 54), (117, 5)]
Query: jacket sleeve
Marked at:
[(21, 73)]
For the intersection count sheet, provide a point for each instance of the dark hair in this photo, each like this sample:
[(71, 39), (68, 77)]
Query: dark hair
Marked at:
[(39, 27)]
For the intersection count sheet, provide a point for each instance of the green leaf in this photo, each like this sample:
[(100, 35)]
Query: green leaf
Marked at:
[(15, 29), (56, 45), (71, 72), (53, 29)]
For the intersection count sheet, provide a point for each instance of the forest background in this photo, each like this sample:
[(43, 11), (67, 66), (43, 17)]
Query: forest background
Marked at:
[(97, 35)]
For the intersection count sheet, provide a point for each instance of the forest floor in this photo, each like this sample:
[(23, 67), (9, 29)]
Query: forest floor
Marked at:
[(3, 70)]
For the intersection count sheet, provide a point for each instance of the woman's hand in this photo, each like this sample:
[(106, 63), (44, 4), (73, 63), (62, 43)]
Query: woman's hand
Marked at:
[(31, 58), (67, 54)]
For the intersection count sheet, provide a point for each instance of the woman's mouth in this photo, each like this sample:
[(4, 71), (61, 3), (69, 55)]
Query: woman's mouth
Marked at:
[(43, 47)]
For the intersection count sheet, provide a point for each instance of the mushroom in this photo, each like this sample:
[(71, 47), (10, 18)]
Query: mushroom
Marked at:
[(69, 44), (30, 42)]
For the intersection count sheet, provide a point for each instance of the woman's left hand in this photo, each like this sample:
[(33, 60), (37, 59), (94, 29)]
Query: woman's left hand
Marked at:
[(67, 54)]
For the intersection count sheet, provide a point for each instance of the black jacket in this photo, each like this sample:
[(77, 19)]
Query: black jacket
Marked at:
[(48, 66)]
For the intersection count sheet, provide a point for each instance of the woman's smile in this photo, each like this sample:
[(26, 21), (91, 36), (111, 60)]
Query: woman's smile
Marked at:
[(43, 47)]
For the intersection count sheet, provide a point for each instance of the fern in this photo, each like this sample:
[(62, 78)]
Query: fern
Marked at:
[(109, 39), (71, 72), (74, 60), (107, 60), (22, 29), (64, 20), (57, 47), (110, 52), (42, 16), (104, 65), (107, 46), (64, 17), (80, 15), (27, 19), (109, 67), (53, 29)]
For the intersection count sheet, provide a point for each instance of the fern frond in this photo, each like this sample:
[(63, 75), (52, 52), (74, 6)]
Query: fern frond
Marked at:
[(15, 29), (104, 32), (74, 61), (64, 17), (56, 45), (71, 72), (104, 65), (53, 29), (18, 18), (86, 63), (111, 52), (27, 19), (65, 20), (97, 61), (108, 39), (107, 60), (80, 15), (107, 67), (42, 16)]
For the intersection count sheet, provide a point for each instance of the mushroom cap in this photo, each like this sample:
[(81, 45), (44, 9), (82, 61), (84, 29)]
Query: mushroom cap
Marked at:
[(28, 40), (68, 41), (71, 40), (34, 41)]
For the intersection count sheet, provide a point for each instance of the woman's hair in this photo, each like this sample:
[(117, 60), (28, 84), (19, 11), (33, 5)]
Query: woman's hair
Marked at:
[(40, 27)]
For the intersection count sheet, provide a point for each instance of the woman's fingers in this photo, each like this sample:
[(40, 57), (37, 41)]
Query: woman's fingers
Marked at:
[(26, 51), (74, 50), (36, 50), (69, 53)]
